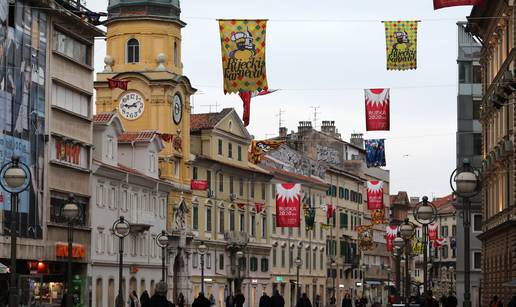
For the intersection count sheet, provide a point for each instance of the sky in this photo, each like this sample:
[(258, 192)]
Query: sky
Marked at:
[(323, 54)]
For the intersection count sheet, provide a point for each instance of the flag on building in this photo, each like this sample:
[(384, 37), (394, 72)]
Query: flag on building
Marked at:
[(377, 103), (439, 4), (374, 194), (330, 211), (246, 100), (243, 55), (391, 234), (258, 207), (375, 152), (198, 184), (401, 44), (288, 205), (432, 231), (259, 148)]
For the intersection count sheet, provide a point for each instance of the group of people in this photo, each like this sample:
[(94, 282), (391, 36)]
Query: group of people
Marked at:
[(158, 299), (496, 302)]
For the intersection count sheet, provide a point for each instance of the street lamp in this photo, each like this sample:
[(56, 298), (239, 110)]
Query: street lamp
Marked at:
[(334, 275), (202, 248), (70, 212), (467, 185), (162, 241), (121, 229), (388, 269), (407, 232), (239, 256), (425, 213), (398, 250), (298, 265), (14, 178), (364, 268), (429, 269)]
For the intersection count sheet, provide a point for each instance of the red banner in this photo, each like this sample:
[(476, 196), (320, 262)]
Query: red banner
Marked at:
[(117, 83), (78, 250), (258, 207), (374, 195), (391, 234), (288, 205), (432, 231), (439, 242), (439, 4), (377, 103), (197, 184), (330, 211)]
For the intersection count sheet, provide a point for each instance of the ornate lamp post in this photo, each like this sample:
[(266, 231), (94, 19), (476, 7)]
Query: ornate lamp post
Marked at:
[(121, 229), (465, 182), (407, 232), (398, 250), (425, 213), (333, 266), (239, 255), (298, 288), (14, 178), (364, 269), (202, 248), (70, 212), (429, 269), (162, 241)]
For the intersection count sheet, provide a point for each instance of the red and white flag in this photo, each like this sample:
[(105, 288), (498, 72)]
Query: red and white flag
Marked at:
[(432, 231), (330, 211), (439, 4), (439, 242), (288, 205), (374, 194), (391, 232), (246, 100), (377, 103)]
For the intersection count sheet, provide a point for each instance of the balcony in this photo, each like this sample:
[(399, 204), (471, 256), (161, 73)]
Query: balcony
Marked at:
[(142, 222), (236, 238)]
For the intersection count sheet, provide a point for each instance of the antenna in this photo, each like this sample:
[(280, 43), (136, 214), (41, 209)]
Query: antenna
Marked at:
[(315, 108), (216, 105), (280, 118)]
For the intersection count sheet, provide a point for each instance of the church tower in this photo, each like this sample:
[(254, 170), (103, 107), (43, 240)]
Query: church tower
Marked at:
[(144, 48)]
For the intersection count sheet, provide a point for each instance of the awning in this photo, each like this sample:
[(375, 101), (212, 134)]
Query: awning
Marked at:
[(511, 283), (3, 269), (78, 250)]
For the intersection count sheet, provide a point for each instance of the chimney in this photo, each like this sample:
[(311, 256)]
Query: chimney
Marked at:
[(357, 139), (283, 132), (328, 126), (304, 126)]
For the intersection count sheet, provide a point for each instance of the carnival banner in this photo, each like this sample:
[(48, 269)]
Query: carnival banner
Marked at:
[(391, 234), (417, 246), (439, 242), (288, 205), (259, 148), (365, 237), (375, 152), (243, 55), (378, 217), (439, 4), (197, 184), (377, 103), (401, 41), (117, 83), (374, 194), (432, 231), (330, 211)]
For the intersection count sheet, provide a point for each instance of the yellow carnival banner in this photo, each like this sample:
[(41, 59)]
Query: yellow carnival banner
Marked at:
[(243, 55), (401, 43)]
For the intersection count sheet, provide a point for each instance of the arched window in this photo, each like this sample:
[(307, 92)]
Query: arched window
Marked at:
[(176, 54), (98, 293), (111, 292), (133, 51)]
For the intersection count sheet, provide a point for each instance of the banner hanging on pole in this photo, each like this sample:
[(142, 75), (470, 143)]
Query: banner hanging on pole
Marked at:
[(288, 205), (432, 231), (401, 44), (375, 152), (377, 103), (439, 4), (391, 234), (374, 195)]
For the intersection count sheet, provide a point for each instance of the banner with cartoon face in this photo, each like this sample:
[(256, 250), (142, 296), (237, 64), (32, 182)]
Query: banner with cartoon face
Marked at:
[(243, 55), (401, 43)]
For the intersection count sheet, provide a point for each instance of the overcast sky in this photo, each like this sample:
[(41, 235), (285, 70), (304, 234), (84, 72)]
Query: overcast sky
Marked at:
[(323, 53)]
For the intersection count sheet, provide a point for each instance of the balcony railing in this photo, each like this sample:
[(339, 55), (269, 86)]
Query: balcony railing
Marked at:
[(236, 238)]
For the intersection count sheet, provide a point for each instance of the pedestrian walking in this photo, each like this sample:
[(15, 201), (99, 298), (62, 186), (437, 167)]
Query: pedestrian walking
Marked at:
[(213, 303), (304, 301), (277, 299), (512, 303), (239, 299), (230, 301), (317, 302), (133, 299), (495, 302), (159, 299), (145, 299), (265, 300), (346, 301), (201, 301), (180, 300), (451, 301)]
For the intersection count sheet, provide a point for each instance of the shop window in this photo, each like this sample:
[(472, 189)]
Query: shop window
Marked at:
[(71, 48), (133, 51)]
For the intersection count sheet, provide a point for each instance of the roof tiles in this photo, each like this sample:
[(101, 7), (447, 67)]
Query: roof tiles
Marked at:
[(202, 121), (142, 136)]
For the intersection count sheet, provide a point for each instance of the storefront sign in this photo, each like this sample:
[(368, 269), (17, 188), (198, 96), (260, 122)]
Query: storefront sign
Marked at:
[(78, 250), (280, 279), (254, 281)]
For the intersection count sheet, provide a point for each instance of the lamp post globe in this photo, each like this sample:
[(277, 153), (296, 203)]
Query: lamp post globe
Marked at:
[(398, 244), (239, 254), (70, 210), (466, 182), (426, 212), (15, 176), (202, 248), (298, 262), (121, 228), (407, 230), (162, 239)]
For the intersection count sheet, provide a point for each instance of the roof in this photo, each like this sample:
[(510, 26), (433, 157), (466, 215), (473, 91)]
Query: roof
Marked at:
[(135, 137), (251, 167), (103, 118), (400, 199), (202, 121), (295, 176)]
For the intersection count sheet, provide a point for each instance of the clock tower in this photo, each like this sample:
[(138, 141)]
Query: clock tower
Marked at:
[(143, 82)]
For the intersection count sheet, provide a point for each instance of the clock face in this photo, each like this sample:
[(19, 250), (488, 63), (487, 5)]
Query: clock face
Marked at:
[(131, 105), (177, 109)]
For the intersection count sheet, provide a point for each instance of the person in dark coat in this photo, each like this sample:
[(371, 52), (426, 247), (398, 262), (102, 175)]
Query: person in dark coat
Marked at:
[(451, 301), (346, 301), (277, 300), (145, 299), (317, 302), (230, 300), (265, 301), (304, 301), (200, 301), (180, 300), (239, 299), (159, 299)]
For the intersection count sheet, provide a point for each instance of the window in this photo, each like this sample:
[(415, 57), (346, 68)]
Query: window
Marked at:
[(253, 264), (444, 251), (208, 218), (314, 260), (341, 192), (112, 198), (264, 265), (221, 183), (133, 51), (239, 153), (290, 258), (477, 144), (208, 260), (70, 100), (263, 190), (252, 189), (152, 162), (99, 290), (274, 263), (321, 258), (195, 259), (253, 225), (110, 147), (230, 150), (208, 178), (477, 222), (100, 195), (194, 173), (264, 226), (71, 48), (221, 261), (307, 260), (454, 230), (477, 260), (444, 231), (231, 188), (334, 191), (195, 216), (344, 220), (100, 241), (241, 186), (220, 147), (282, 257), (242, 222), (176, 55), (231, 220), (346, 194), (221, 220)]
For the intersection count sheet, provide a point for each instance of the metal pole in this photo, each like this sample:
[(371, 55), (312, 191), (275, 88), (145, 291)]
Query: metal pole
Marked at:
[(13, 289), (467, 266), (398, 273), (163, 268), (120, 300), (334, 273), (425, 258), (297, 282), (202, 274), (407, 274), (69, 301)]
